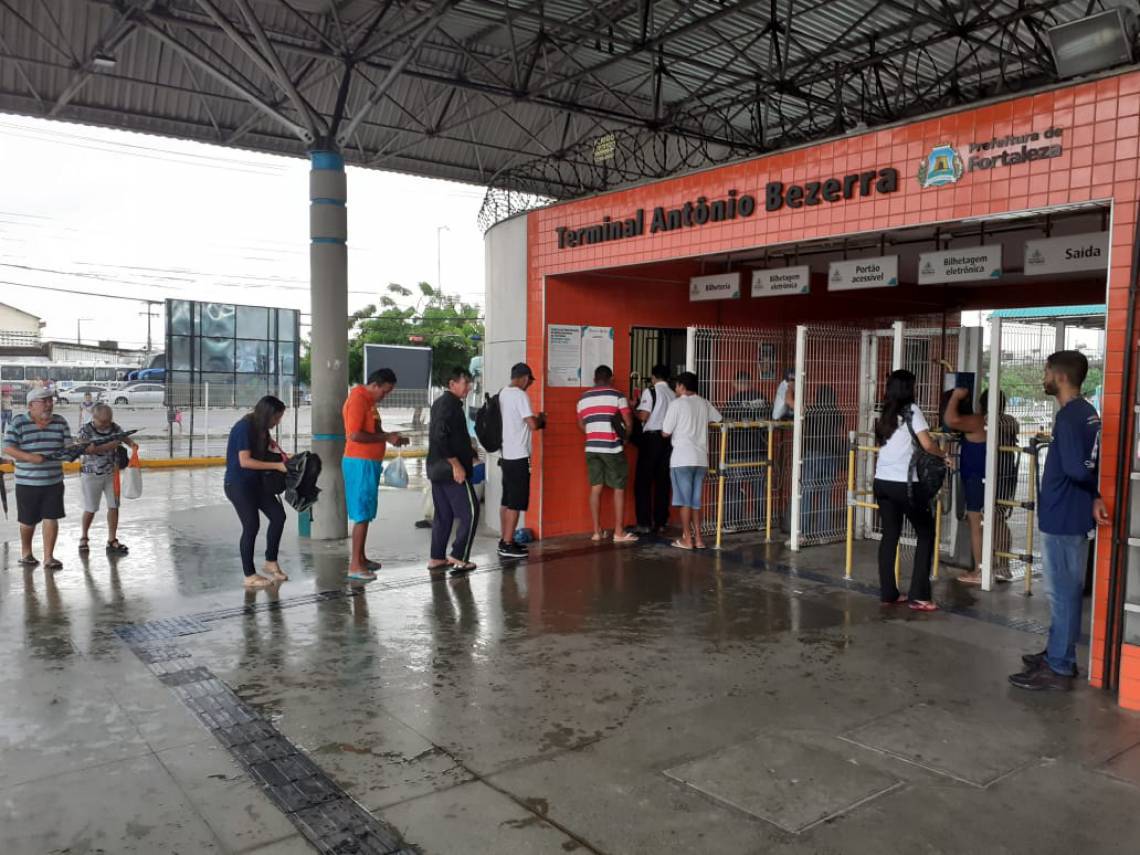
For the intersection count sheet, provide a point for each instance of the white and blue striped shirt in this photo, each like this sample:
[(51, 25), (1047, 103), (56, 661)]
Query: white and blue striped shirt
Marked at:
[(24, 434)]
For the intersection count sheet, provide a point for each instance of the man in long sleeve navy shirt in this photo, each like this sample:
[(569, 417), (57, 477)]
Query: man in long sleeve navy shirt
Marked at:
[(1068, 508)]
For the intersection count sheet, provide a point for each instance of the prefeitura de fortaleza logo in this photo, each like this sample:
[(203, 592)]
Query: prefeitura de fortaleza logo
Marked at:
[(942, 166)]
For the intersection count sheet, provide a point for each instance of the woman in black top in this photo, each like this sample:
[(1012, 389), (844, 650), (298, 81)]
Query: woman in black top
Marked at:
[(450, 465)]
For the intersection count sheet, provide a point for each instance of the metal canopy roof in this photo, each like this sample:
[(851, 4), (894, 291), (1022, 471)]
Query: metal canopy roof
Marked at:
[(550, 97)]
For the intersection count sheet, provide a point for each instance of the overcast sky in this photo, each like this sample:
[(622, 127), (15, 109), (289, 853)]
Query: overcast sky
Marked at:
[(113, 213)]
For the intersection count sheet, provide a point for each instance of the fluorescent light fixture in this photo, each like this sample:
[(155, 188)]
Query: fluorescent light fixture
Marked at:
[(1094, 43), (103, 60)]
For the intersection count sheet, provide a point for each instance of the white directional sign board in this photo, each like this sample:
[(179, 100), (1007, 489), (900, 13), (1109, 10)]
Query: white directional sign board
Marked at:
[(781, 281), (969, 264), (1066, 254), (864, 273), (719, 286)]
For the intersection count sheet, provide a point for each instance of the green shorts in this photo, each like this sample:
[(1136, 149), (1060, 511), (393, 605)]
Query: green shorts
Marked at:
[(609, 470)]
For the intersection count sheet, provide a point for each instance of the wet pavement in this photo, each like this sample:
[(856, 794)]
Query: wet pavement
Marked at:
[(591, 699)]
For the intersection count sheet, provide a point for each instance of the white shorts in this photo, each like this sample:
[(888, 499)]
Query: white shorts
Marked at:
[(94, 488)]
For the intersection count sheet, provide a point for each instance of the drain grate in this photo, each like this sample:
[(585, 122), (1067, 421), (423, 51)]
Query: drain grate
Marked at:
[(323, 812)]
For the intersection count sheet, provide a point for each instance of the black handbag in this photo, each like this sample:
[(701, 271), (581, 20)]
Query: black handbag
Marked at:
[(439, 471), (927, 471), (271, 480)]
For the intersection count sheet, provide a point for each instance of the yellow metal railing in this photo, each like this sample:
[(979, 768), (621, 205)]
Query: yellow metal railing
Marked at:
[(1029, 505), (764, 466), (857, 499)]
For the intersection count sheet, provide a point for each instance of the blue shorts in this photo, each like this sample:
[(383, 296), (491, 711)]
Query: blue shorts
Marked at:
[(687, 483), (974, 490), (361, 486)]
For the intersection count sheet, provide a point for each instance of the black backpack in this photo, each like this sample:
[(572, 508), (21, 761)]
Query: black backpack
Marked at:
[(927, 471), (638, 433), (489, 424), (301, 490)]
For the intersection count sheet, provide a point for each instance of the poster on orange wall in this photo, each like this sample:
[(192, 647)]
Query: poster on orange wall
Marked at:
[(597, 349), (563, 355)]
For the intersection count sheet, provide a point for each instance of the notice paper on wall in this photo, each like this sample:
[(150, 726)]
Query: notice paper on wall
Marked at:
[(564, 355), (597, 349), (863, 273)]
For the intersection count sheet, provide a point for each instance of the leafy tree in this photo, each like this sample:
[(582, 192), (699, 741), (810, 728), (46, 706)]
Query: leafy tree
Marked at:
[(430, 318)]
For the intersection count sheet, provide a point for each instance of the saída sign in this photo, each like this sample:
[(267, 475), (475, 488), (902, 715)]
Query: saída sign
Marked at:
[(734, 206)]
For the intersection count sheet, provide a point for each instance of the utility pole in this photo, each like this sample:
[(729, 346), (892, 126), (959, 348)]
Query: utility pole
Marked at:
[(150, 313), (439, 230)]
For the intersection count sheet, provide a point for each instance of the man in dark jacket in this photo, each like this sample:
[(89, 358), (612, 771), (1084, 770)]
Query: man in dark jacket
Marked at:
[(1069, 506), (450, 465)]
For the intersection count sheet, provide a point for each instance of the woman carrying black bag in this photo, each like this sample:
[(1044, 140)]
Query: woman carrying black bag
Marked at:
[(904, 487), (255, 476)]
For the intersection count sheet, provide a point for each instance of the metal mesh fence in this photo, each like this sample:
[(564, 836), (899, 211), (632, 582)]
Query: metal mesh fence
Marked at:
[(194, 420), (830, 409), (740, 370)]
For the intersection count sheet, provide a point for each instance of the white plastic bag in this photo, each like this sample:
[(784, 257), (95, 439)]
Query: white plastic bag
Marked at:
[(395, 474), (131, 478)]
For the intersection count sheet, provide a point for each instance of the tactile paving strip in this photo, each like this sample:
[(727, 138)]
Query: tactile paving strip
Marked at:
[(321, 810)]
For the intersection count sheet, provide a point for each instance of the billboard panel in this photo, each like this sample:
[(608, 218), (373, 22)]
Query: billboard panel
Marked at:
[(242, 352), (413, 372)]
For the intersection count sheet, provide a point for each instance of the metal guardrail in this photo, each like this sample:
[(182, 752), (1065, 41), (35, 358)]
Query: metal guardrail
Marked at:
[(857, 499), (724, 467)]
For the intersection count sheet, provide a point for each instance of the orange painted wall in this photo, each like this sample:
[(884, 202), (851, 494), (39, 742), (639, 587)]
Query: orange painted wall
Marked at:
[(1101, 122)]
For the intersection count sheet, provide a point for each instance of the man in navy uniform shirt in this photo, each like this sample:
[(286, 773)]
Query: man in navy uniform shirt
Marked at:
[(1068, 508)]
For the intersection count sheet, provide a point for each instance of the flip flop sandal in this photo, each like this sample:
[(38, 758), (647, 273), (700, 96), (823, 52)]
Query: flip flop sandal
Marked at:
[(28, 561), (362, 576), (84, 546), (679, 545), (117, 548), (373, 565), (54, 564), (625, 538), (440, 566), (915, 605), (256, 583), (458, 567)]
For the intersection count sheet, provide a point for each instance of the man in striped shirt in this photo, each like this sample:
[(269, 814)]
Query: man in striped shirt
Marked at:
[(30, 438), (599, 411)]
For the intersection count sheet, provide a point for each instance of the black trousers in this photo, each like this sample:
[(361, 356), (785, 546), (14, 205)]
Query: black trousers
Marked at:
[(651, 481), (250, 502), (894, 506), (453, 502)]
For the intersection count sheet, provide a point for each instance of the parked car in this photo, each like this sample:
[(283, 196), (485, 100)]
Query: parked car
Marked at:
[(153, 375), (139, 393), (74, 394)]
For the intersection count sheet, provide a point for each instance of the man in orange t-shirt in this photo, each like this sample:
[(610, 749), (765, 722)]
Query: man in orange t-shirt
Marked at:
[(364, 446)]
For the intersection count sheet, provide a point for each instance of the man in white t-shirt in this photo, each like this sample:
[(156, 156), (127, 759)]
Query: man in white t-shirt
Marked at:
[(651, 477), (687, 426), (519, 423)]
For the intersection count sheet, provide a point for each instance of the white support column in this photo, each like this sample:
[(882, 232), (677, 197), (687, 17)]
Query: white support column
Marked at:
[(328, 270), (897, 352), (691, 349), (798, 434), (1059, 336), (993, 417), (206, 418)]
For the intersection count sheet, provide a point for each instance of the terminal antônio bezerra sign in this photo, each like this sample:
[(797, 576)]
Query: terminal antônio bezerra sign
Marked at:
[(734, 206)]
